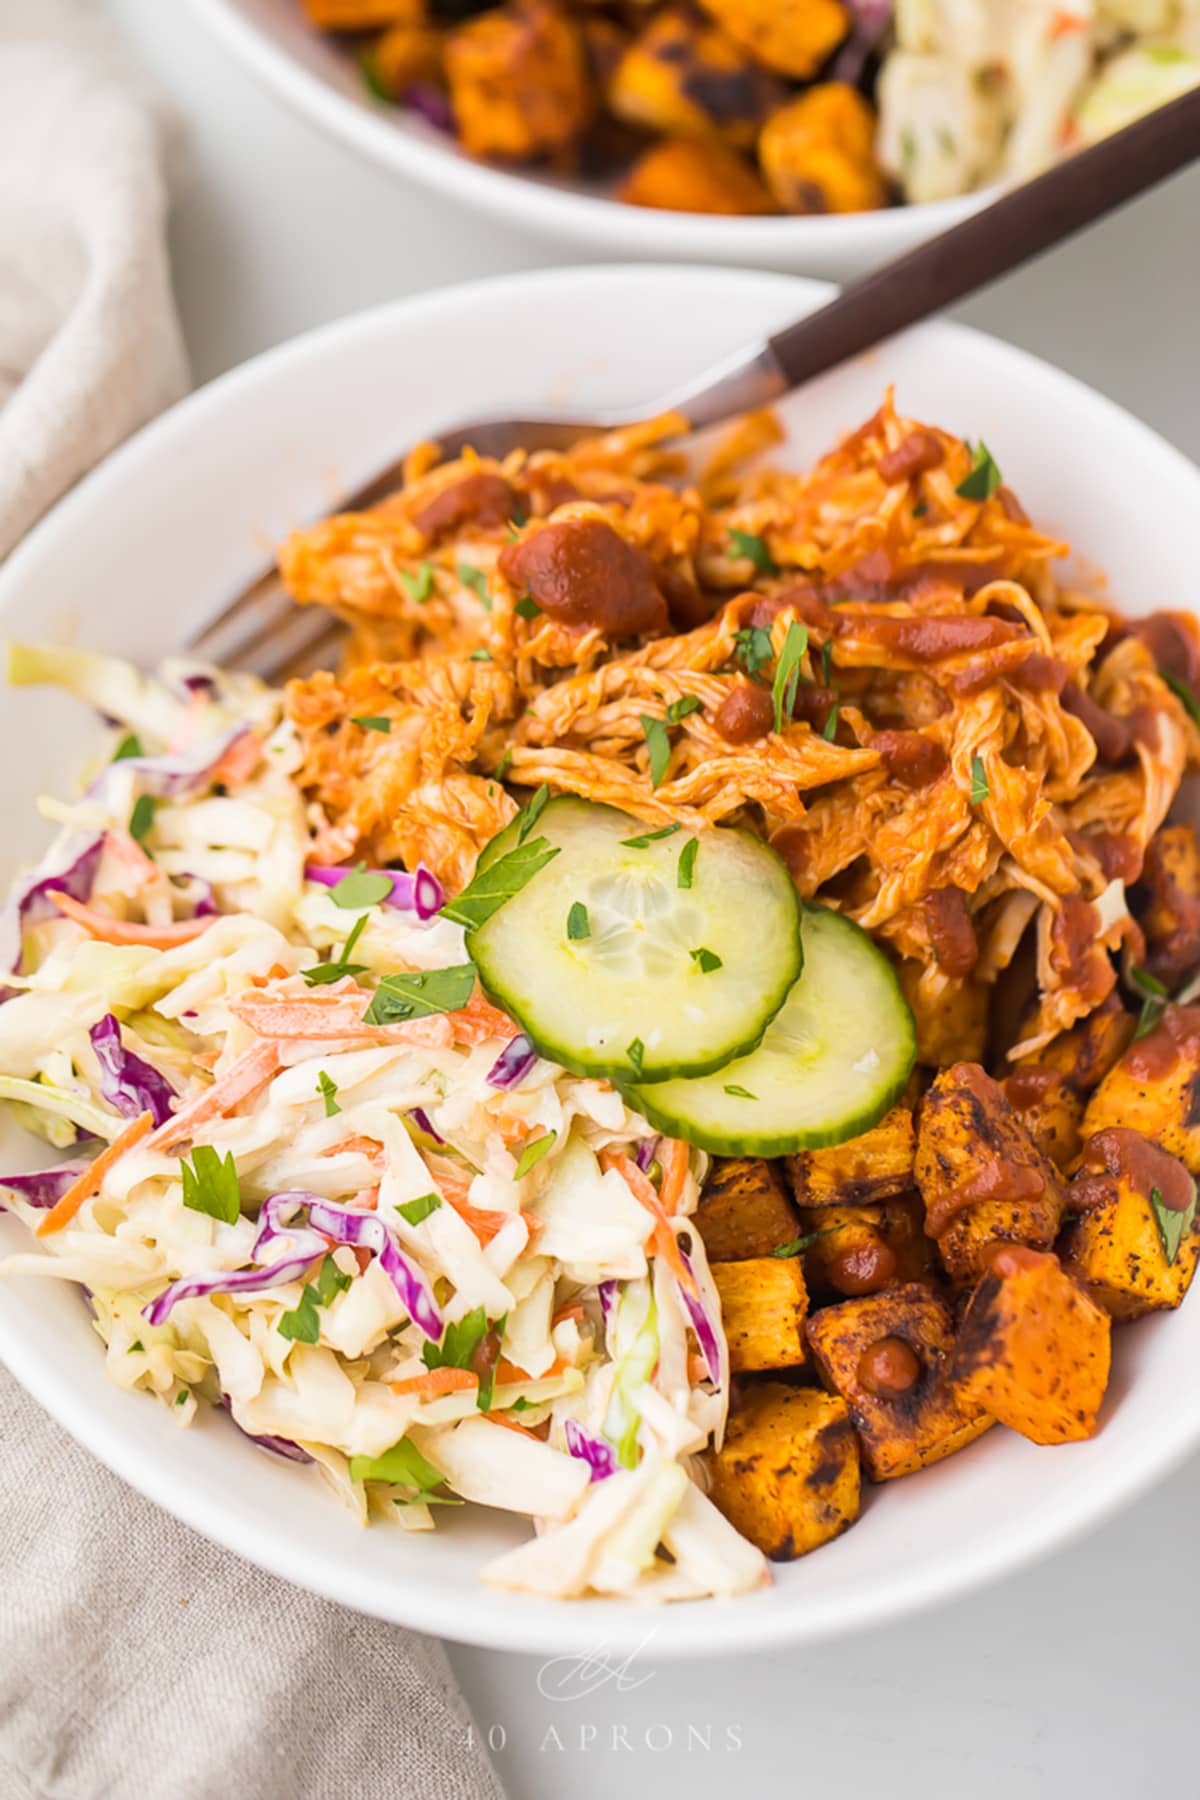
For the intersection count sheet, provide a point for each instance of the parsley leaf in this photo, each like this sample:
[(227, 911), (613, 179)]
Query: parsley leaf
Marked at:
[(372, 722), (327, 1088), (739, 1093), (402, 1465), (530, 813), (360, 888), (826, 661), (650, 837), (636, 1052), (459, 1342), (1154, 1000), (749, 544), (533, 1153), (475, 578), (984, 478), (659, 746), (480, 655), (418, 587), (687, 863), (706, 960), (341, 966), (141, 819), (527, 608), (128, 746), (489, 888), (800, 1244), (331, 1281), (1183, 692), (578, 924), (681, 708), (413, 1211), (505, 764), (1172, 1226), (979, 781), (752, 648), (420, 994), (210, 1185), (372, 80), (831, 724), (787, 671)]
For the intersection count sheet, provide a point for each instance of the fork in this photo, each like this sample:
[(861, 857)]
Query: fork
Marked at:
[(263, 630)]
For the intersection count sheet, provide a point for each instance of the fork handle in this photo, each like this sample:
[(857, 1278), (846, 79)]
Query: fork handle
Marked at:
[(1019, 225)]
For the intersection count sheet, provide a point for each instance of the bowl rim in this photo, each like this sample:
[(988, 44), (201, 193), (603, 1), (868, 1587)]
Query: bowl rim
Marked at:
[(572, 212), (489, 1618)]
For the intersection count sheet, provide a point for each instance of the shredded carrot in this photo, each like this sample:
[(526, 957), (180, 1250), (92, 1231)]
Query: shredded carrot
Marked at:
[(90, 1182), (673, 1156), (124, 931), (247, 1075), (196, 703), (499, 1418), (644, 1191), (1064, 24), (509, 1375), (437, 1381), (360, 1146), (333, 1016), (239, 761), (574, 1311), (485, 1221), (127, 850), (697, 1368)]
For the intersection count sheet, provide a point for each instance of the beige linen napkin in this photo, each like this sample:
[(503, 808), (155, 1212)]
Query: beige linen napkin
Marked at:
[(136, 1658)]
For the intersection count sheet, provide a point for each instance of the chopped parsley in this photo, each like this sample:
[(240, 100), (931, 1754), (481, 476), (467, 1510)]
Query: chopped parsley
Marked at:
[(480, 655), (578, 924), (1172, 1226), (984, 477), (979, 781), (302, 1325), (421, 994), (1154, 1000), (531, 812), (210, 1185), (128, 746), (402, 1466), (489, 888), (831, 724), (418, 587), (141, 819), (1183, 693), (787, 672), (327, 1088), (739, 1093), (826, 661), (679, 709), (706, 960), (475, 578), (635, 1050), (659, 746), (649, 837), (372, 80), (413, 1211), (800, 1244), (341, 966), (752, 648), (533, 1153), (687, 863), (373, 722), (460, 1341), (754, 548), (527, 607), (361, 888), (505, 764)]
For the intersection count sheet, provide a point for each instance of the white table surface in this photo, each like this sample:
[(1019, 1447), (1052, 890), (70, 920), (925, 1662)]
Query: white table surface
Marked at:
[(1074, 1676)]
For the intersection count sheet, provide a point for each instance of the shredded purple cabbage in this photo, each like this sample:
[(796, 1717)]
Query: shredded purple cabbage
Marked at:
[(608, 1292), (68, 868), (432, 104), (365, 1231), (426, 1124), (237, 1281), (871, 20), (706, 1333), (645, 1153), (47, 1187), (127, 1082), (276, 1445), (513, 1063), (195, 891), (600, 1457), (168, 777), (421, 892)]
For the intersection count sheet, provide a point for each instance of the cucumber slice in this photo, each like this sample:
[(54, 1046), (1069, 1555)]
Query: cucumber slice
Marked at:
[(832, 1061), (594, 955)]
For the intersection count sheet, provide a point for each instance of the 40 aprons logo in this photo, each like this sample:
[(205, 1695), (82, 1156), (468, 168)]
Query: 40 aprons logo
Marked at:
[(572, 1681)]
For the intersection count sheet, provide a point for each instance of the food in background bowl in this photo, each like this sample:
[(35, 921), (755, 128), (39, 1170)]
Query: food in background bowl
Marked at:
[(776, 106), (408, 1090)]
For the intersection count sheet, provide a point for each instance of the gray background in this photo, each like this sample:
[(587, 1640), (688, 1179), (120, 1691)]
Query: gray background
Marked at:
[(1075, 1676)]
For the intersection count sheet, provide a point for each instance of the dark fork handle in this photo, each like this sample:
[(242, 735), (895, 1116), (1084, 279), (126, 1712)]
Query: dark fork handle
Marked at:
[(1019, 225)]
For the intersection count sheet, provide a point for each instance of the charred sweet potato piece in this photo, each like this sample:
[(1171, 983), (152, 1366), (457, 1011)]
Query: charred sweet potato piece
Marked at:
[(407, 53), (1033, 1349), (683, 77), (981, 1175), (679, 175), (863, 1350), (1049, 1109), (817, 153), (363, 15), (744, 1210), (1155, 1087), (519, 82), (763, 1307), (862, 1249), (1135, 1241), (1170, 915), (787, 1475), (791, 36), (951, 1014), (862, 1170)]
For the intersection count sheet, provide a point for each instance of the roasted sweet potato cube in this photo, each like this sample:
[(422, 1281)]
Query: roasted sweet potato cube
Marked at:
[(519, 82), (981, 1175), (900, 1431), (817, 152), (792, 36), (951, 1013), (787, 1474), (678, 175), (1170, 916), (862, 1249), (682, 76), (1087, 1052), (763, 1307), (407, 53), (861, 1171), (1033, 1349), (745, 1209), (1049, 1109), (1136, 1240), (1155, 1088), (363, 15)]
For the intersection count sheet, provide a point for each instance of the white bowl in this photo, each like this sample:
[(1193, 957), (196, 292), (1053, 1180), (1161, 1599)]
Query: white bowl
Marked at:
[(172, 523), (315, 74)]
